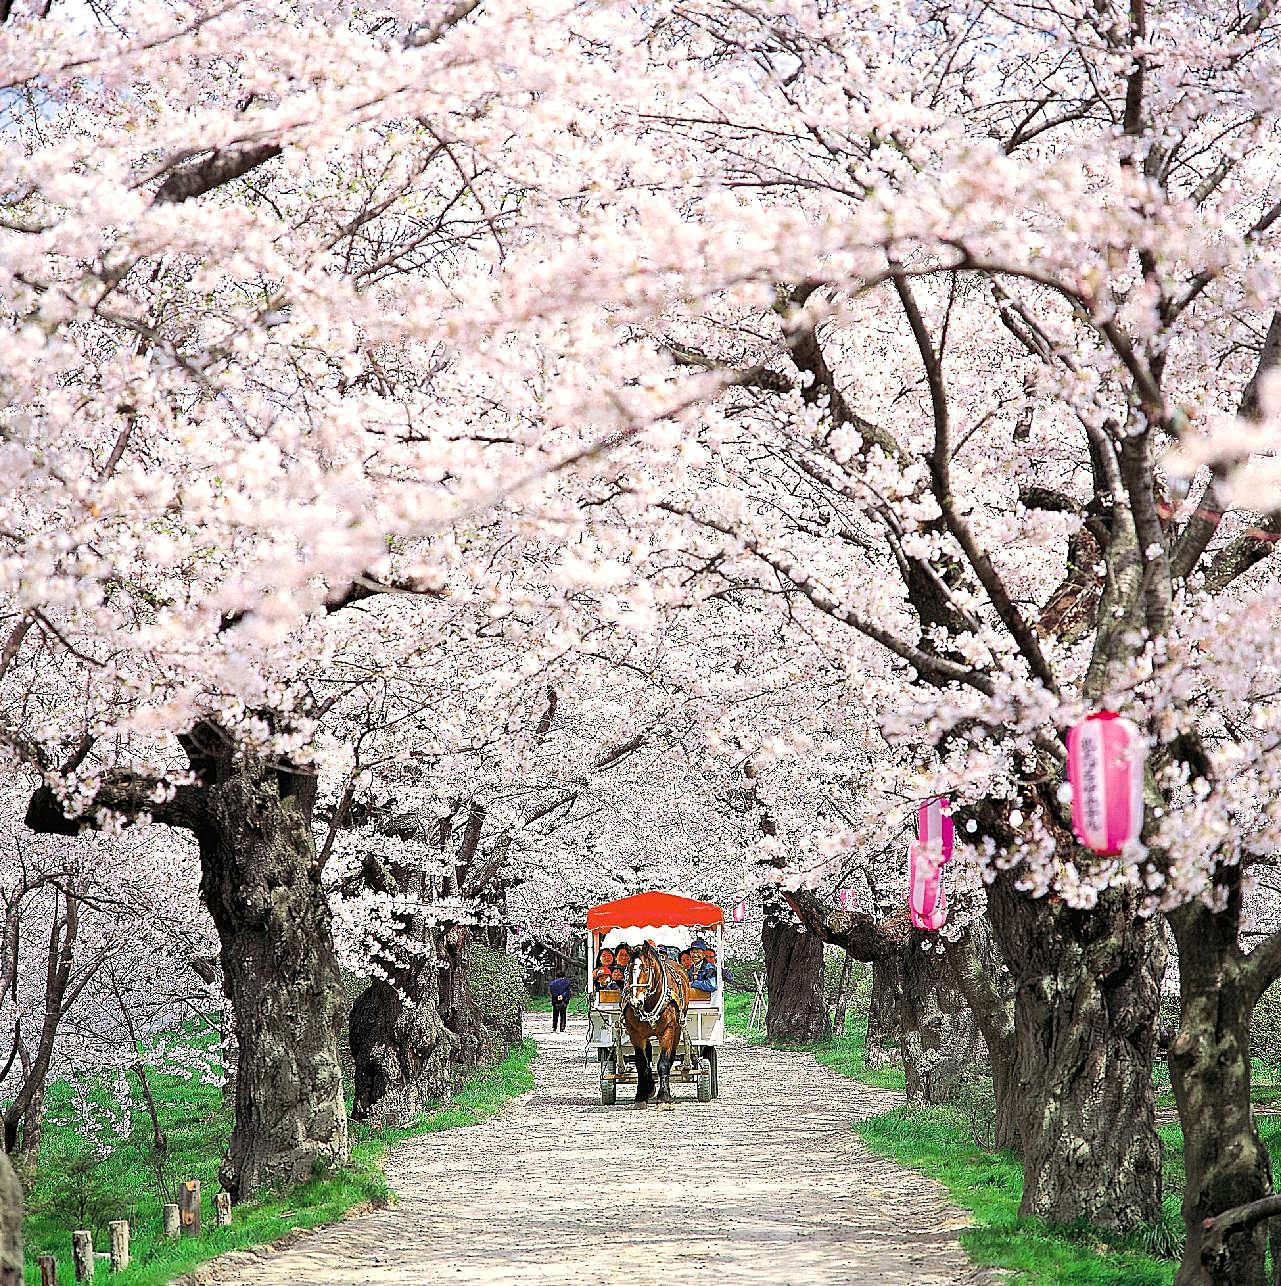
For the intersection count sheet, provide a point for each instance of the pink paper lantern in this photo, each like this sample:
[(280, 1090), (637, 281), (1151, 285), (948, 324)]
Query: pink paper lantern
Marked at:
[(926, 900), (848, 899), (1105, 769), (934, 825), (739, 913)]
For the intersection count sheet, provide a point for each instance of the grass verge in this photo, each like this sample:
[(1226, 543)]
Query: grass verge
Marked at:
[(76, 1187)]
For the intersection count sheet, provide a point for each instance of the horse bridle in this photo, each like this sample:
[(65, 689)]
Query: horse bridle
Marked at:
[(647, 1015)]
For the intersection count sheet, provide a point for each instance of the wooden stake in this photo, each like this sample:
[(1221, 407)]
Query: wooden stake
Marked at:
[(118, 1230), (82, 1255), (48, 1266), (189, 1203), (223, 1200), (172, 1221)]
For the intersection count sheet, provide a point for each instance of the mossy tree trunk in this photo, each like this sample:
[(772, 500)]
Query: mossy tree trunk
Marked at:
[(794, 977), (1227, 1164), (11, 1260), (260, 879), (1085, 1013), (261, 882), (942, 1047)]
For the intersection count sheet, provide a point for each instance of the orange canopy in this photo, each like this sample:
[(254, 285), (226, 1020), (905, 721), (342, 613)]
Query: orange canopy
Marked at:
[(661, 910)]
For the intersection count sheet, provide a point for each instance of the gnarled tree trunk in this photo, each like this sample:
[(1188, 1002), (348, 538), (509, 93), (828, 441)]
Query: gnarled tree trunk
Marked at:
[(458, 1010), (1227, 1164), (883, 1010), (403, 1054), (1088, 985), (260, 879), (11, 1262), (942, 1047), (261, 883), (794, 976)]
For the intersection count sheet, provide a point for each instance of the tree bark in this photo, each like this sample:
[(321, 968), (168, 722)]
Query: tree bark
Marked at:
[(794, 976), (11, 1261), (403, 1054), (883, 1030), (840, 1014), (1087, 989), (942, 1048), (1227, 1164), (260, 879), (261, 883), (458, 1009)]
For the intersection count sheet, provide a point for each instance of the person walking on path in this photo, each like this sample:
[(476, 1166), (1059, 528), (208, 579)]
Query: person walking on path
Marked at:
[(559, 991)]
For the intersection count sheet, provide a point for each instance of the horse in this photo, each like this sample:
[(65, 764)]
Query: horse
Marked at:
[(655, 1002)]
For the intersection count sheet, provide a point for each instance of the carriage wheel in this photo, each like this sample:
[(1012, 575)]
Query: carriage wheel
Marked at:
[(709, 1053), (608, 1088), (704, 1081)]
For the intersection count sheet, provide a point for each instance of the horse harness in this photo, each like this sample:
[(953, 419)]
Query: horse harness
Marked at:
[(664, 992)]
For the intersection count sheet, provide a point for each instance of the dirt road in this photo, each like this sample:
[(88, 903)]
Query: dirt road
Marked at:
[(766, 1185)]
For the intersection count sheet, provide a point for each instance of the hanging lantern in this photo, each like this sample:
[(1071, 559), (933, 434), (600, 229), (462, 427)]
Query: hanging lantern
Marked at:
[(934, 825), (1105, 770), (848, 899), (739, 913), (926, 900)]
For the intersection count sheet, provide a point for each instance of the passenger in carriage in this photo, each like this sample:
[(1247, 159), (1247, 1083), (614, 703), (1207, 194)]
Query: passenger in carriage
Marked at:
[(702, 971), (623, 957), (603, 977)]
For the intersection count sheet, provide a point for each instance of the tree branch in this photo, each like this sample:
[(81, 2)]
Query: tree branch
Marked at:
[(940, 469)]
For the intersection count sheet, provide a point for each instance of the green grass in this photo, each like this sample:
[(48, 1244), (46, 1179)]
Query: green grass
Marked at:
[(75, 1189)]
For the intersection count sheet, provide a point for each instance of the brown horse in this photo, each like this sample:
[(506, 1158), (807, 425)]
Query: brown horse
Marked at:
[(655, 1003)]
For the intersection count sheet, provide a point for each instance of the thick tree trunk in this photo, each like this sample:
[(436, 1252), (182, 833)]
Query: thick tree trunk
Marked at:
[(10, 1225), (1085, 1014), (260, 879), (1227, 1164), (261, 883), (403, 1054), (794, 976), (942, 1048)]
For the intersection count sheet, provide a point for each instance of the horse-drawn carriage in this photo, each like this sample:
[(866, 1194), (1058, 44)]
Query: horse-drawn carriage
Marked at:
[(679, 1027)]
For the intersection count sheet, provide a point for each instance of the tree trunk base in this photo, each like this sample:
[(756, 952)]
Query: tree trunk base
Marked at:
[(404, 1056)]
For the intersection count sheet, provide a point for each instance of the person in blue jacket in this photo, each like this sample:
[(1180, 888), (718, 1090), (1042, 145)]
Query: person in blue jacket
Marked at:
[(559, 990), (702, 971)]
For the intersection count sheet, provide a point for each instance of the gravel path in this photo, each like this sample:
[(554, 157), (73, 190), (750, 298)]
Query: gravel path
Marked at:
[(766, 1185)]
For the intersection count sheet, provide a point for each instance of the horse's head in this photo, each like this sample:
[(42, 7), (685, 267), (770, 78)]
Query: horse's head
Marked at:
[(644, 978)]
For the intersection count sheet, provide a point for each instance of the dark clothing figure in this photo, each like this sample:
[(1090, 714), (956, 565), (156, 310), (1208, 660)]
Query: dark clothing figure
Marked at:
[(559, 991)]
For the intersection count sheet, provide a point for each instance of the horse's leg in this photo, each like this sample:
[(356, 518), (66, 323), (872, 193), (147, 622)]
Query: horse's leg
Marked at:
[(644, 1075), (639, 1036), (668, 1035)]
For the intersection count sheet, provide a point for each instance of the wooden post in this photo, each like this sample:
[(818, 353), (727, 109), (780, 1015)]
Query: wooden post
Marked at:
[(48, 1266), (118, 1230), (172, 1221), (189, 1203), (82, 1255), (223, 1200)]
